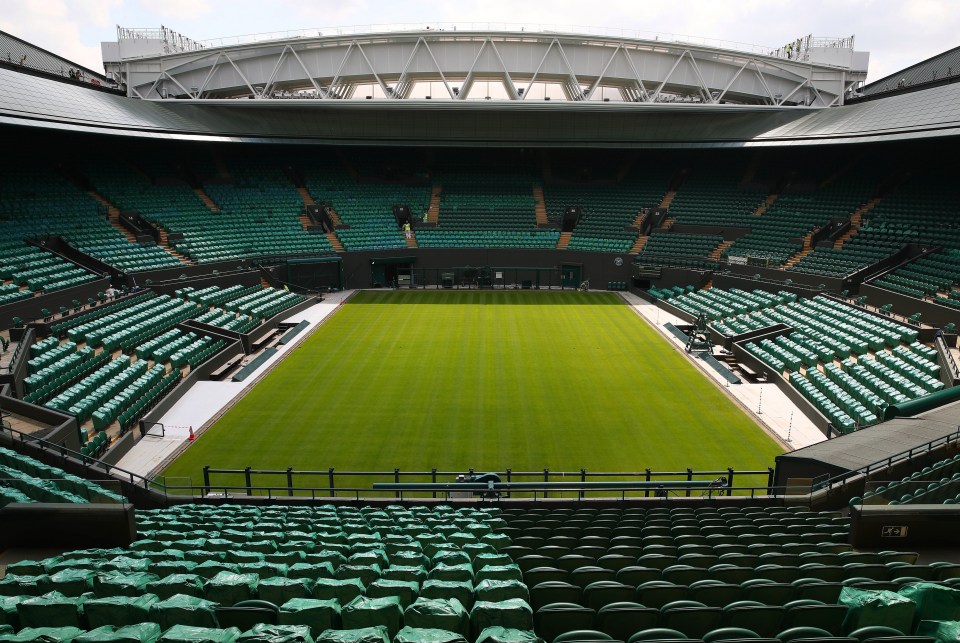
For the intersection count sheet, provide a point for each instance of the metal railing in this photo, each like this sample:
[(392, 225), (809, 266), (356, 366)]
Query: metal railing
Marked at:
[(338, 482), (827, 483), (534, 29)]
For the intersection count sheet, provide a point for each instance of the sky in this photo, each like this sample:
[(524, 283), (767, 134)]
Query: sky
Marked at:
[(897, 33)]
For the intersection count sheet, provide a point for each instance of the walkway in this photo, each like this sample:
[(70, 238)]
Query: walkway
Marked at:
[(766, 403)]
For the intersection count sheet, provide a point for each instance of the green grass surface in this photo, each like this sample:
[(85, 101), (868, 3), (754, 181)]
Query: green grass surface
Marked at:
[(486, 379)]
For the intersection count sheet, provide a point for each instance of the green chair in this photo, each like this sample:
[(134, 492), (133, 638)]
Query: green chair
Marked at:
[(729, 634), (582, 635), (765, 620), (690, 617), (658, 634), (808, 613), (622, 620), (554, 592), (597, 595), (550, 621)]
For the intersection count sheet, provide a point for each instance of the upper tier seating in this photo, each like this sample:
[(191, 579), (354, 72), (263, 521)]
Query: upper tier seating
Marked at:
[(367, 208), (607, 208), (258, 213), (44, 203)]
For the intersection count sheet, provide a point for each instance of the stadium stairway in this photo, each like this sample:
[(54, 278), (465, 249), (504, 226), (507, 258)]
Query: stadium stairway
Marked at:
[(335, 242), (207, 201), (412, 241), (165, 244), (807, 249), (639, 244), (668, 199), (433, 212), (856, 219), (717, 252), (539, 209), (767, 202), (564, 241)]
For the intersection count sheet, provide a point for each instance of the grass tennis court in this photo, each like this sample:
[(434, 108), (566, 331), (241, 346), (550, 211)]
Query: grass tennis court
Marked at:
[(483, 379)]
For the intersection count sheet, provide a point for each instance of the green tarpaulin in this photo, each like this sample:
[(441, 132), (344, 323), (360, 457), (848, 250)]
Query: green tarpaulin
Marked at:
[(343, 590), (362, 635), (369, 612), (513, 613), (438, 613), (139, 633), (497, 634), (51, 610), (934, 602), (426, 635), (43, 635), (119, 610), (228, 589), (187, 634), (317, 614), (276, 634), (876, 607), (184, 610)]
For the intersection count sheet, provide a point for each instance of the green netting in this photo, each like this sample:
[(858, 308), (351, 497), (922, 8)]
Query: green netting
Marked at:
[(184, 610), (942, 631), (278, 590), (50, 610), (229, 589), (513, 613), (426, 635), (187, 634), (119, 610), (13, 585), (502, 590), (438, 613), (43, 635), (139, 633), (876, 607), (122, 584), (344, 590), (406, 591), (497, 634), (362, 635), (934, 602), (369, 612), (73, 582), (188, 584), (277, 634)]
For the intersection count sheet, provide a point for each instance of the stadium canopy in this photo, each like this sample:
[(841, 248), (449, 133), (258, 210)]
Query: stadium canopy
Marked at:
[(473, 64), (32, 100)]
